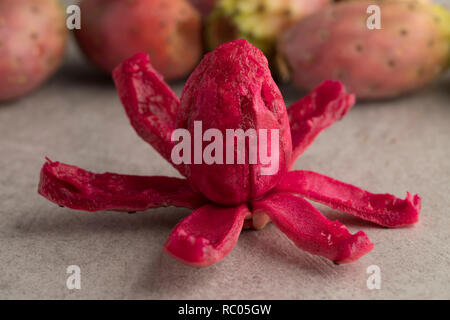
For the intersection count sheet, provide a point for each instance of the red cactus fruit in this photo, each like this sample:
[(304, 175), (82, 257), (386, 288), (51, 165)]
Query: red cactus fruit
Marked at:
[(33, 37), (169, 31), (232, 88), (336, 43)]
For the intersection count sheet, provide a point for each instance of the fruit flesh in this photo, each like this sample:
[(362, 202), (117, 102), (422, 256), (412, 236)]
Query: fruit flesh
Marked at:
[(232, 88)]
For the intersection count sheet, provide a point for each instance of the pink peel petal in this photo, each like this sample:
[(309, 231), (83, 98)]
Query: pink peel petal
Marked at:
[(207, 235), (149, 103), (311, 231), (78, 189), (325, 105), (383, 209)]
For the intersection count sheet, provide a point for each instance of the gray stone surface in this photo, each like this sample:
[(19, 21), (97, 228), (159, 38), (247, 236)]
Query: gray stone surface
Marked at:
[(393, 146)]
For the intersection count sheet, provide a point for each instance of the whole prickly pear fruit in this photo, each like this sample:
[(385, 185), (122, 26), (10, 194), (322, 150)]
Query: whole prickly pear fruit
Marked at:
[(169, 31), (374, 1), (33, 38), (258, 21), (410, 50)]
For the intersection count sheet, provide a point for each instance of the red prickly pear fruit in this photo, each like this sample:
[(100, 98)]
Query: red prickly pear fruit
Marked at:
[(258, 21), (232, 88), (33, 37), (411, 49), (169, 31), (204, 6), (374, 1)]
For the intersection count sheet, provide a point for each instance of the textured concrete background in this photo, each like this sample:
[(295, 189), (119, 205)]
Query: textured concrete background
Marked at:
[(395, 146)]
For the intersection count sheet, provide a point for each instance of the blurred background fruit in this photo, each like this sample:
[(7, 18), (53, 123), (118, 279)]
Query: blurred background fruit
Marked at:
[(33, 38), (332, 42), (204, 6), (258, 21), (168, 30), (374, 1), (411, 50)]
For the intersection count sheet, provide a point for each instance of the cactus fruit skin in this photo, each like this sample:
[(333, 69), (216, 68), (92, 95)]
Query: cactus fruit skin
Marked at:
[(33, 37), (94, 192), (232, 88), (169, 31), (410, 50), (373, 1), (210, 233), (258, 21)]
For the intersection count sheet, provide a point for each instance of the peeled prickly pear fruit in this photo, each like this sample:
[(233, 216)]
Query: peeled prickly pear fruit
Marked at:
[(232, 88), (33, 38), (409, 51), (258, 21), (169, 31)]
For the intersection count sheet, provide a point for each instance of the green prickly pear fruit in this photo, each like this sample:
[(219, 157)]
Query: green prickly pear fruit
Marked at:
[(411, 49), (258, 21)]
